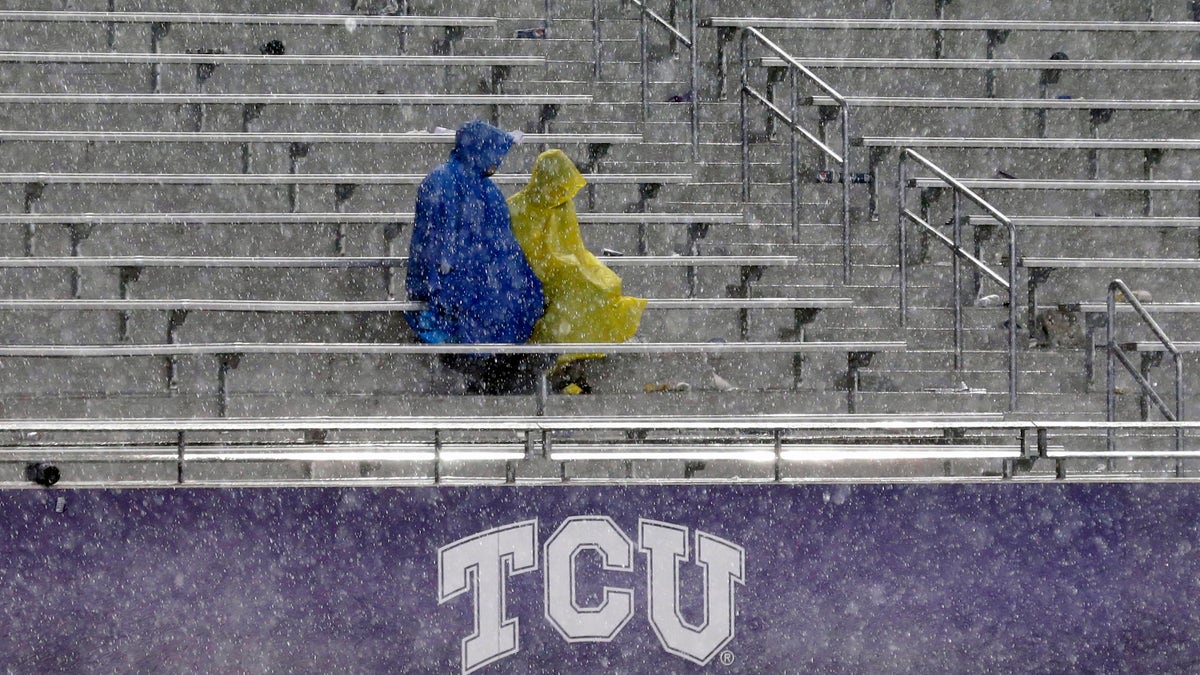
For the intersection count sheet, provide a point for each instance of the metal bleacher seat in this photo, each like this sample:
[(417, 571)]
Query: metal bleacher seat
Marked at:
[(230, 354)]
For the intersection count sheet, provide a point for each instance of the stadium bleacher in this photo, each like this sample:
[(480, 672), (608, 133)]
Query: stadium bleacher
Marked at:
[(252, 168)]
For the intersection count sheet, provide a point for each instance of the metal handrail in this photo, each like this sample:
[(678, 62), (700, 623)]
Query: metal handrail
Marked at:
[(646, 17), (955, 246), (1115, 354), (790, 118), (188, 442)]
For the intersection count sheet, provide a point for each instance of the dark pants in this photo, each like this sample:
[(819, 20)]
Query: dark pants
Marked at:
[(500, 373)]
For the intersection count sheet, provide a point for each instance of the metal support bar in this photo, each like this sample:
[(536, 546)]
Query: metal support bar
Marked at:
[(125, 276), (33, 192), (296, 152), (226, 363), (342, 192), (644, 50), (437, 456), (158, 31), (391, 232), (543, 392), (994, 38), (1151, 157), (939, 37), (596, 41), (175, 320), (181, 456), (725, 35), (1037, 276), (778, 438), (250, 113), (78, 232), (855, 361)]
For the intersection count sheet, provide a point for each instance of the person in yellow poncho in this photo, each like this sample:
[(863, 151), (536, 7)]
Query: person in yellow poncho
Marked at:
[(583, 297)]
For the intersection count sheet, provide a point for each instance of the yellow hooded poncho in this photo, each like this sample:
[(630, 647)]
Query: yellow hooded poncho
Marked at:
[(583, 296)]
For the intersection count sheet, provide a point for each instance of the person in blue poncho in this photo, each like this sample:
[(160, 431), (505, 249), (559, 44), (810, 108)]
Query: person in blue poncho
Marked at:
[(466, 264)]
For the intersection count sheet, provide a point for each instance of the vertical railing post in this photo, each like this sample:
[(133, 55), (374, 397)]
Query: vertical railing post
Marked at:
[(645, 57), (956, 282), (939, 37), (596, 39), (902, 235), (744, 122), (180, 456), (846, 180), (793, 112), (694, 66), (1110, 395), (1012, 316), (1179, 411)]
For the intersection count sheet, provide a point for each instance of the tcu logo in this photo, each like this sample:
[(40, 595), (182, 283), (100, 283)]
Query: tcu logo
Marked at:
[(481, 564)]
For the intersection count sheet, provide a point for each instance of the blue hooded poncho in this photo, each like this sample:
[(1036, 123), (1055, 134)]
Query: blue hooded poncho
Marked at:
[(463, 258)]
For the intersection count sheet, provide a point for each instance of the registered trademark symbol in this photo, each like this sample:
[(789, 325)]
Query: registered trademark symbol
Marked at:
[(727, 658)]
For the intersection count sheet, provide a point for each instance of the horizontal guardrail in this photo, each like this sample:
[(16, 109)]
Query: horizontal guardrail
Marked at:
[(188, 444), (954, 24), (1026, 103), (1093, 221), (984, 64), (1025, 143), (1130, 263), (1064, 184)]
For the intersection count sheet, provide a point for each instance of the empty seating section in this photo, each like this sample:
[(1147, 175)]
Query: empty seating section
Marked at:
[(878, 241)]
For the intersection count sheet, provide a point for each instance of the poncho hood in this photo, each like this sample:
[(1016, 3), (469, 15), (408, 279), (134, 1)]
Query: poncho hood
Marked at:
[(480, 146), (554, 180)]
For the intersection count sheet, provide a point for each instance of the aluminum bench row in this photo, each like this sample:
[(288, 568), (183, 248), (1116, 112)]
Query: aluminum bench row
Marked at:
[(126, 58), (230, 354), (244, 19), (804, 309), (341, 262), (81, 224), (131, 268), (405, 138), (351, 306), (235, 218), (47, 178)]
